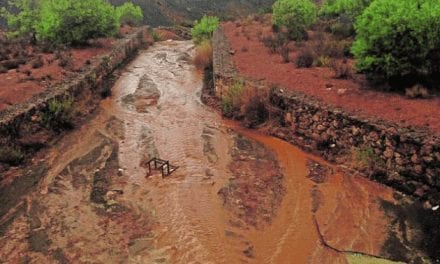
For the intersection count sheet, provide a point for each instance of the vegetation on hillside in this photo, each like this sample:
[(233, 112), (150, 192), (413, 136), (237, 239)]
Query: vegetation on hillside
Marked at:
[(396, 42), (348, 8), (67, 22)]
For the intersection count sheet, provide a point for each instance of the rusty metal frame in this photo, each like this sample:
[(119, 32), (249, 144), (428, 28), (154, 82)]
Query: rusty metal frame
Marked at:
[(163, 165)]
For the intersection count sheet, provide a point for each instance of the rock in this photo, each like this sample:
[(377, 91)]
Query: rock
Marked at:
[(428, 159), (288, 119), (355, 131), (111, 195), (388, 153), (342, 91), (249, 252), (427, 205), (321, 127), (419, 192), (437, 156), (418, 169), (415, 159)]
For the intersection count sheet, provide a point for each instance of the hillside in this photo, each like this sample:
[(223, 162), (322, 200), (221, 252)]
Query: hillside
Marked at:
[(168, 12)]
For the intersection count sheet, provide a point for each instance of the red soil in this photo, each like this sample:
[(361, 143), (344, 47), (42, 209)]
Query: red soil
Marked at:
[(252, 59), (17, 86)]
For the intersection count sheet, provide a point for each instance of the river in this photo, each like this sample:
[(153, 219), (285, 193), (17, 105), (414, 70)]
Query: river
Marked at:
[(237, 196)]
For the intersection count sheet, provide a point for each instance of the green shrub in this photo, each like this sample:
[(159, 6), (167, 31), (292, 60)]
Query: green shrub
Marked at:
[(129, 14), (365, 156), (345, 12), (295, 15), (231, 102), (204, 28), (399, 41), (155, 36), (76, 21), (67, 21), (58, 114), (23, 22), (348, 8)]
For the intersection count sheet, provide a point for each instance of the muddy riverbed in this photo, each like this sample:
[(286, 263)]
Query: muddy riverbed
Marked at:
[(236, 197)]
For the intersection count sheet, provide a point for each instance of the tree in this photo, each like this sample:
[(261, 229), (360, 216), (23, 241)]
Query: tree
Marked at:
[(295, 15), (399, 40), (129, 14)]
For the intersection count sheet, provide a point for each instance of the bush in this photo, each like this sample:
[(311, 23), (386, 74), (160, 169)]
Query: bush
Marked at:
[(398, 41), (342, 70), (348, 8), (295, 15), (342, 28), (23, 22), (254, 108), (204, 28), (305, 59), (58, 114), (155, 36), (67, 21), (323, 61), (231, 102), (129, 14), (275, 43), (203, 57), (76, 21)]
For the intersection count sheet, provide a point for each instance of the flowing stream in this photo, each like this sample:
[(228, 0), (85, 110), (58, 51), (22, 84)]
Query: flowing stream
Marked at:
[(278, 204)]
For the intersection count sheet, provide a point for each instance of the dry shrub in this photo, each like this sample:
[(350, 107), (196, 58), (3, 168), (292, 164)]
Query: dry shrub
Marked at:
[(342, 70), (203, 57), (323, 61), (274, 43), (254, 107), (305, 58), (38, 62), (417, 91), (244, 49), (324, 45), (285, 51)]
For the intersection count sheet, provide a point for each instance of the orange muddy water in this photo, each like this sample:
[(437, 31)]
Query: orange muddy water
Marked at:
[(279, 205)]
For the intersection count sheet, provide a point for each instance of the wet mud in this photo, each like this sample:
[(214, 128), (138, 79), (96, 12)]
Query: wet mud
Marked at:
[(237, 196)]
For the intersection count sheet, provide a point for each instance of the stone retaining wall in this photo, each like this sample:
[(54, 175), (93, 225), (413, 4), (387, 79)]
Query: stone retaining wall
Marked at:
[(82, 87), (406, 159)]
